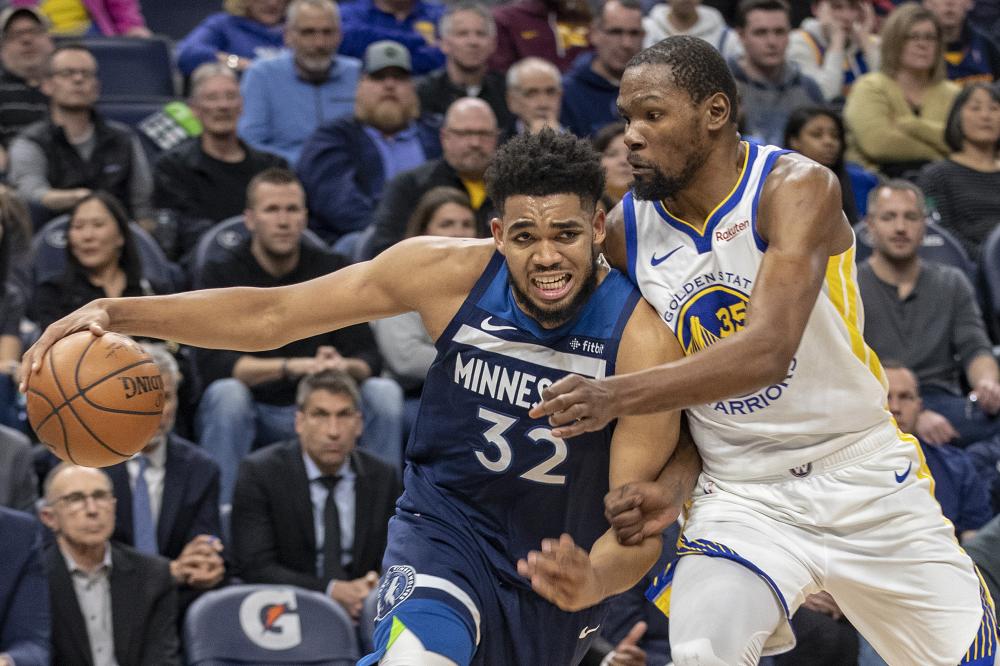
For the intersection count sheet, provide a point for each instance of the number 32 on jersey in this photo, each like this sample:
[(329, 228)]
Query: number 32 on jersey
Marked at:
[(495, 437)]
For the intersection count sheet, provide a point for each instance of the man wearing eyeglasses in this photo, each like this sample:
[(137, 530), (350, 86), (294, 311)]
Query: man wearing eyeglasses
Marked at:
[(56, 162), (110, 603), (468, 142), (313, 511), (590, 88)]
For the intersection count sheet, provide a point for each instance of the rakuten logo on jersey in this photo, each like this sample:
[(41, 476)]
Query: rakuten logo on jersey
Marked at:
[(731, 232)]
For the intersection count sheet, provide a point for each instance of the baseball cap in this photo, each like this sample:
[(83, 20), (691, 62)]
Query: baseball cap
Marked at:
[(384, 54), (10, 13)]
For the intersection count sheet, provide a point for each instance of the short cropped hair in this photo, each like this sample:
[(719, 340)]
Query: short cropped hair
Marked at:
[(271, 176), (292, 13), (331, 381), (897, 185), (59, 469), (746, 6), (444, 26), (67, 46), (695, 67), (206, 71), (545, 163)]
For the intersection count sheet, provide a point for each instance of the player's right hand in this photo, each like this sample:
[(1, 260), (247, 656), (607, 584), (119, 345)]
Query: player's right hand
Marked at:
[(637, 511), (92, 316)]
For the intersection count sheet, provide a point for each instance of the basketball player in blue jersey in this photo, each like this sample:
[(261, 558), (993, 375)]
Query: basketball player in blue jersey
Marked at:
[(806, 484), (494, 503)]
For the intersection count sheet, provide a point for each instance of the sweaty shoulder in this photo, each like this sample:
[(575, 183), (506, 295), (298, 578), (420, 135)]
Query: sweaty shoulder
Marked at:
[(433, 274), (801, 192)]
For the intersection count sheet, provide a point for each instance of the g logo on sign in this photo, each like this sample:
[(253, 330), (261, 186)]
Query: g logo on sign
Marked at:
[(269, 619)]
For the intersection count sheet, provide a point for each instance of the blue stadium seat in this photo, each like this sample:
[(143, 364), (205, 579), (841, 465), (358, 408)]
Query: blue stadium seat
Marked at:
[(939, 245), (989, 267), (221, 239), (49, 256), (131, 68), (176, 18), (268, 624), (133, 113)]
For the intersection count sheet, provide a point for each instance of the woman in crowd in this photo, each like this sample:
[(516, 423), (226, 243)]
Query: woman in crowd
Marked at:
[(609, 141), (965, 187), (896, 116), (404, 343), (247, 30), (102, 260), (818, 133), (92, 18)]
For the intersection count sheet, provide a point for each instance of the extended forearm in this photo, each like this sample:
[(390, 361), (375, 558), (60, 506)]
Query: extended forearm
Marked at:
[(619, 567), (238, 318), (982, 368)]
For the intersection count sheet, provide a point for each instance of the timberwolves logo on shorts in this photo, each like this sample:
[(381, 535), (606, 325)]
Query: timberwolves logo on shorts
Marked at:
[(397, 585), (711, 314)]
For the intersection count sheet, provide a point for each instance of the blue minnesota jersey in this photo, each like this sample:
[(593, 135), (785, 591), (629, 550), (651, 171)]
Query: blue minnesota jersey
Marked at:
[(477, 465)]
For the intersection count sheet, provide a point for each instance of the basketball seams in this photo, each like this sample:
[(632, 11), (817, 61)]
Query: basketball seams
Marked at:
[(54, 411), (83, 392), (62, 424)]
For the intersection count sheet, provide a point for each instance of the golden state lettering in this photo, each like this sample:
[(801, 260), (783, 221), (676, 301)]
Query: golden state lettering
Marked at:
[(498, 382), (739, 282), (134, 386)]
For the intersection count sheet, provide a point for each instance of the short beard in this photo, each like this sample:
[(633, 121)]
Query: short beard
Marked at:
[(388, 116), (555, 318), (662, 186)]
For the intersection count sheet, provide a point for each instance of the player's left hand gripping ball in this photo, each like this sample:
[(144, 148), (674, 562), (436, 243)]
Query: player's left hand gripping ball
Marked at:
[(562, 573)]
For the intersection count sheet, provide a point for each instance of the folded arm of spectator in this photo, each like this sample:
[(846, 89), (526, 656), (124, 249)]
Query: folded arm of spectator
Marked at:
[(882, 137)]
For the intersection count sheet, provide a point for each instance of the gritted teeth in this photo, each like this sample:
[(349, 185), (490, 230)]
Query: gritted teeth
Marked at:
[(551, 283)]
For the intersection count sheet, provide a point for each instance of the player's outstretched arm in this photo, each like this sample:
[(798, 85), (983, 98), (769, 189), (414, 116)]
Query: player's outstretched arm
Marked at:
[(801, 219), (425, 274), (561, 571)]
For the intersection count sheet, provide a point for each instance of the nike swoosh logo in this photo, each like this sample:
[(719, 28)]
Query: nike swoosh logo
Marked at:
[(586, 631), (487, 326), (902, 477), (656, 261)]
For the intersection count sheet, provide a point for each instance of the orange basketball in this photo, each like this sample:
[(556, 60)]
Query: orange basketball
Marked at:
[(96, 401)]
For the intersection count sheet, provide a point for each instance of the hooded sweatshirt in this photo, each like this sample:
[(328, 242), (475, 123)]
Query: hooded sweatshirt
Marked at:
[(710, 27), (589, 100)]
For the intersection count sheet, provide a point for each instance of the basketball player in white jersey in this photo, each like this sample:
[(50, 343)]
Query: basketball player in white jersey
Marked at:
[(807, 484)]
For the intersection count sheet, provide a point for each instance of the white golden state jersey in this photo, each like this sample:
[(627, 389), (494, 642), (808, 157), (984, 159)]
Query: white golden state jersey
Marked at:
[(700, 279)]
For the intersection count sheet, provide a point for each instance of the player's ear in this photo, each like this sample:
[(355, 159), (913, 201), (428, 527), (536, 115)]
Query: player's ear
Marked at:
[(496, 229), (600, 228), (718, 110)]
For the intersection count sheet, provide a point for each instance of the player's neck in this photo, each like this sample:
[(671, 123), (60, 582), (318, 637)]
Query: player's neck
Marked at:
[(714, 181)]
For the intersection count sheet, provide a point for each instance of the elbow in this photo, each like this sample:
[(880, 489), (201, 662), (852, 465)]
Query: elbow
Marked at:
[(773, 364)]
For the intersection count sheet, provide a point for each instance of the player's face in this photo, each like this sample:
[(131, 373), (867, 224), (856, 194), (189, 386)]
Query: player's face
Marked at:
[(277, 218), (550, 243), (904, 398), (80, 507), (818, 140), (896, 224), (94, 237), (328, 426), (452, 220), (218, 105), (664, 134), (981, 119)]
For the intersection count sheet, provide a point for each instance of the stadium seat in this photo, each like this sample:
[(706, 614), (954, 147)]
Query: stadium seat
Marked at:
[(268, 624), (132, 113), (989, 267), (224, 237), (176, 18), (49, 256), (939, 245), (131, 68)]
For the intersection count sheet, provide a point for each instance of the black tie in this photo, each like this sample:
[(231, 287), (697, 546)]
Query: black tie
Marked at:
[(332, 568)]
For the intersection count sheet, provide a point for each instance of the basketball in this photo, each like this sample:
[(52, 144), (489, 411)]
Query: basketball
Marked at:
[(97, 400)]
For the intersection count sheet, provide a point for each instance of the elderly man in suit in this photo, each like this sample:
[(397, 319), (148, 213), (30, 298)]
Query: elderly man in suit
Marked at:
[(313, 511), (18, 483), (110, 603), (24, 592), (168, 497)]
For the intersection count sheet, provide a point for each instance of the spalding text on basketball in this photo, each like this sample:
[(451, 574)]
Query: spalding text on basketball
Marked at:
[(138, 385)]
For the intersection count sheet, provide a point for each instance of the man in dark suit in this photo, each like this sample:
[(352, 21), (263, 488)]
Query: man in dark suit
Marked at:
[(24, 592), (468, 142), (177, 516), (110, 603), (313, 511)]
